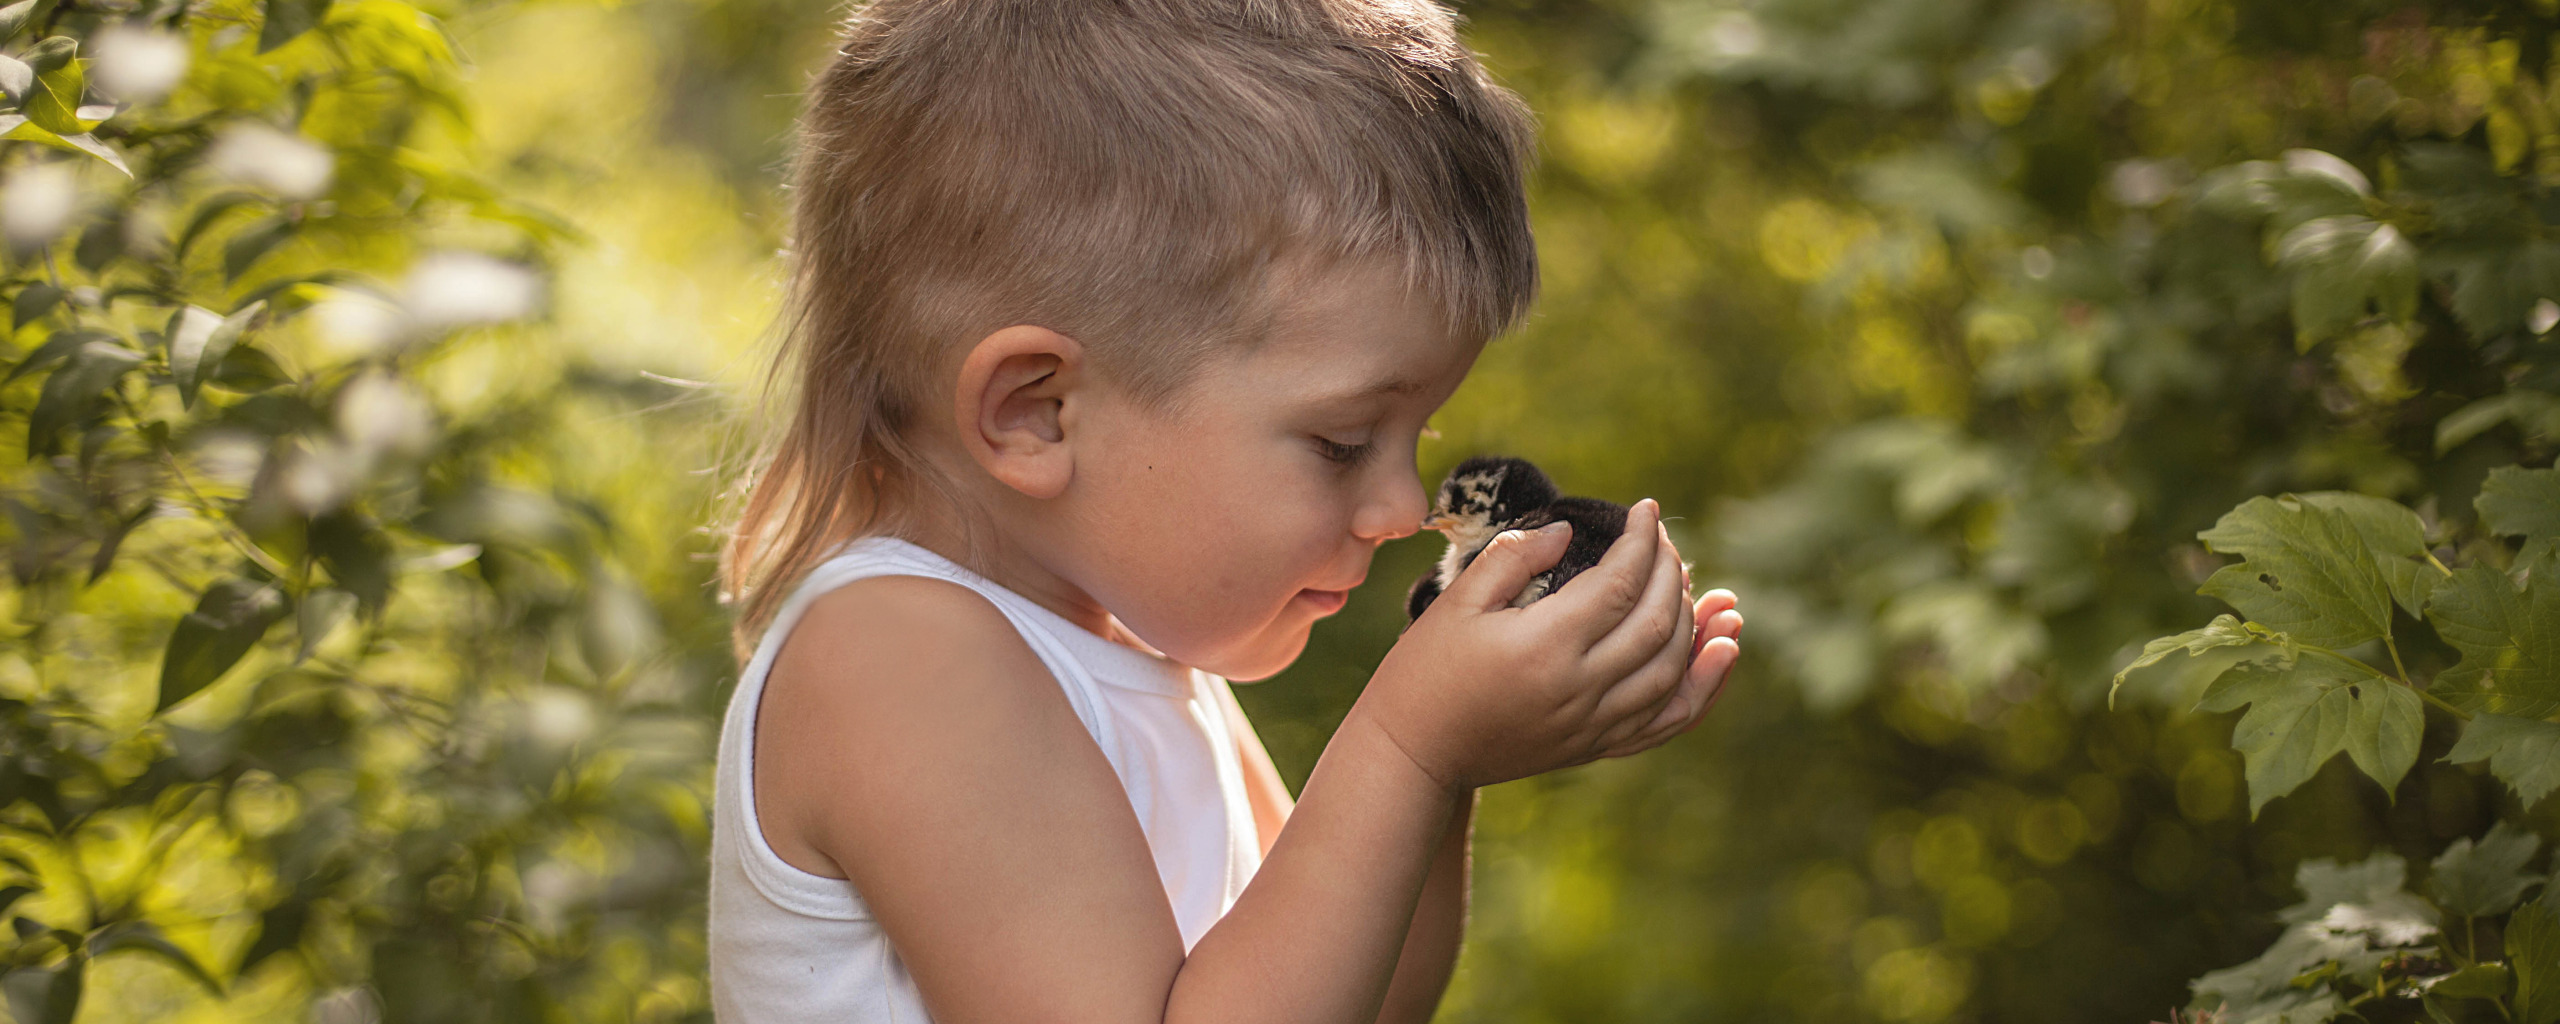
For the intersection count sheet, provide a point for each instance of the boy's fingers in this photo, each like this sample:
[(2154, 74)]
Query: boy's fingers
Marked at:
[(1655, 682), (1713, 669), (1636, 699), (1701, 675), (1652, 624), (1506, 565), (1600, 596), (1698, 693)]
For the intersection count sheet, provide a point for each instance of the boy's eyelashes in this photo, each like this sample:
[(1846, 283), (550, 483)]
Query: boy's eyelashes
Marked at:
[(1345, 454)]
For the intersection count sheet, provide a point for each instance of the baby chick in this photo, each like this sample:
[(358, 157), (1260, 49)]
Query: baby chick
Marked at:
[(1488, 494)]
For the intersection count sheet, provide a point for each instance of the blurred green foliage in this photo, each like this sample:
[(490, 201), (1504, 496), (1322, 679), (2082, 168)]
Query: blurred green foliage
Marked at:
[(375, 364), (358, 665)]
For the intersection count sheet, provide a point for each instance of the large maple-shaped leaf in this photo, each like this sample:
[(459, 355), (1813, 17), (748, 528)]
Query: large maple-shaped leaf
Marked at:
[(2486, 878), (2515, 501), (2308, 572), (2523, 751), (2394, 536), (2300, 717), (2347, 912), (2509, 639), (2533, 950)]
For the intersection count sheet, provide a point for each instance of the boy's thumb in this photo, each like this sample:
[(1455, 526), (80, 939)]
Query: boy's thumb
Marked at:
[(1506, 565)]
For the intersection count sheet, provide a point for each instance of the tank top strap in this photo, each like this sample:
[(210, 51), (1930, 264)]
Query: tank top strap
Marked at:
[(867, 557)]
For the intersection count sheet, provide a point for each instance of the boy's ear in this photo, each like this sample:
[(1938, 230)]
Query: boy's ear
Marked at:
[(1015, 405)]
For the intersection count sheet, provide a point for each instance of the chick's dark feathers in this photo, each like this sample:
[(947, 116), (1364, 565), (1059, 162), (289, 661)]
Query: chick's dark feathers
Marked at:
[(1487, 495)]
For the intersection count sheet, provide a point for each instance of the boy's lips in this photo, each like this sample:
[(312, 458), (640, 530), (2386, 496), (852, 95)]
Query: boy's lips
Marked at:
[(1325, 602)]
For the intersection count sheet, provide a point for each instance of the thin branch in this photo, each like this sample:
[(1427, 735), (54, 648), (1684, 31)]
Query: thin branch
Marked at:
[(248, 548)]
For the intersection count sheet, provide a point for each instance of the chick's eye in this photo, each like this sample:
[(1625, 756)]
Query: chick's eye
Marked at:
[(1346, 454)]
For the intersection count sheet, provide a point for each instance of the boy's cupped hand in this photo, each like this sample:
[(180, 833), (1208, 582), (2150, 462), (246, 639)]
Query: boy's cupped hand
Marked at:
[(1615, 662)]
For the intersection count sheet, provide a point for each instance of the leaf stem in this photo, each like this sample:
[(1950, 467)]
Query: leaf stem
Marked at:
[(2446, 705), (2441, 703), (2431, 560)]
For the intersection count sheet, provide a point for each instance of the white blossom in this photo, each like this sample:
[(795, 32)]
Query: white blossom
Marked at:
[(286, 164), (137, 63), (457, 288), (36, 202)]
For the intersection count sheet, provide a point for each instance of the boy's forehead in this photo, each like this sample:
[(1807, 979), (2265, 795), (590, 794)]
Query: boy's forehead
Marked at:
[(1376, 361), (1355, 337)]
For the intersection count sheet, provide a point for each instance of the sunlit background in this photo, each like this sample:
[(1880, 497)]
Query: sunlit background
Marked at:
[(1931, 322)]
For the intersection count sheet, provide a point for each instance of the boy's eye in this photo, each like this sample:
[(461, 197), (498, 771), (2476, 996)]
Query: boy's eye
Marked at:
[(1346, 454)]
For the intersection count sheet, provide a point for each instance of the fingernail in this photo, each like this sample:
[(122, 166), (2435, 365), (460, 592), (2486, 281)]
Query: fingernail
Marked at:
[(1559, 526)]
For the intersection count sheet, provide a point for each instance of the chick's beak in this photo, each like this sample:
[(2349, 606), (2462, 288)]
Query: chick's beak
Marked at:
[(1439, 521)]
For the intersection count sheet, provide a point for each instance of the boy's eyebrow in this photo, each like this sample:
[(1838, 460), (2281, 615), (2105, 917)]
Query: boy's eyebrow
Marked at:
[(1389, 386)]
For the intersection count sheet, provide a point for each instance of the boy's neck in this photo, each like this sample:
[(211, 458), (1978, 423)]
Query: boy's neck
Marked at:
[(1014, 569)]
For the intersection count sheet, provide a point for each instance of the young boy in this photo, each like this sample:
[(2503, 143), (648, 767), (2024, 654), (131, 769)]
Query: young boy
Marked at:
[(1115, 324)]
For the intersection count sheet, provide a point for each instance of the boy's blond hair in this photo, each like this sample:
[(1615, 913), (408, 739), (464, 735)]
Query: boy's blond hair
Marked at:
[(1149, 177)]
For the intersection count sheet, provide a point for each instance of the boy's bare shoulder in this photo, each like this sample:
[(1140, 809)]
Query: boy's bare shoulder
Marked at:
[(892, 697), (891, 634)]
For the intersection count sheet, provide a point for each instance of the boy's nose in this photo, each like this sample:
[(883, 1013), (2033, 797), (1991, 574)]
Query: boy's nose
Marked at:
[(1394, 509)]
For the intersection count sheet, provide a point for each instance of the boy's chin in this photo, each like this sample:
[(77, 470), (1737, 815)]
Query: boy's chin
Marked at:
[(1263, 656)]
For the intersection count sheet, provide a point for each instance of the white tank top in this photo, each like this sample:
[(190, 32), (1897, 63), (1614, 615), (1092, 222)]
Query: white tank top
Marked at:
[(790, 946)]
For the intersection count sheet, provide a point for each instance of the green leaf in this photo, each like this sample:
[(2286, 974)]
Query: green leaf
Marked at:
[(2495, 286), (2223, 631), (209, 211), (2394, 536), (247, 369), (357, 555), (144, 937), (2515, 501), (71, 395), (2485, 879), (2510, 648), (287, 19), (16, 78), (320, 612), (2325, 883), (252, 242), (230, 619), (2478, 981), (2533, 951), (2300, 717), (105, 557), (100, 243), (45, 995), (14, 17), (2536, 415), (16, 126), (54, 350), (53, 104), (2345, 911), (32, 301), (2343, 264), (2307, 572), (2523, 751), (198, 339)]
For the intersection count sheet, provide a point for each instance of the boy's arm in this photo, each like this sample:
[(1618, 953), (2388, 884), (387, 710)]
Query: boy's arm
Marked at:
[(1439, 920), (1263, 790), (1439, 926)]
